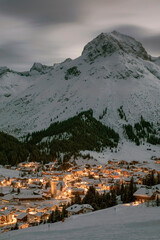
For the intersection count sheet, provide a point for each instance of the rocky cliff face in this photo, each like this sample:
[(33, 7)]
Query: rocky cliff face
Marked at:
[(107, 44)]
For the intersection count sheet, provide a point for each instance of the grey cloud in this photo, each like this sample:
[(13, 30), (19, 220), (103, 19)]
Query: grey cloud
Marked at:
[(12, 56), (10, 51), (50, 30), (52, 11), (132, 30), (152, 44), (20, 56), (42, 11)]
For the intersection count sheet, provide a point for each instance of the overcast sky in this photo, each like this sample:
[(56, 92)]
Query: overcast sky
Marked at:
[(49, 31)]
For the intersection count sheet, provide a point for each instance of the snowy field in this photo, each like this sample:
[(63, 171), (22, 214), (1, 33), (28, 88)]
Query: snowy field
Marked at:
[(116, 223), (129, 152)]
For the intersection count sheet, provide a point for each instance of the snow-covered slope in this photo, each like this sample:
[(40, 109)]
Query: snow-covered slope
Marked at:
[(114, 70), (116, 223)]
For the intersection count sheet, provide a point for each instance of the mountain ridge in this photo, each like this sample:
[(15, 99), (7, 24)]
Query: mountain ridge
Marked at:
[(120, 74)]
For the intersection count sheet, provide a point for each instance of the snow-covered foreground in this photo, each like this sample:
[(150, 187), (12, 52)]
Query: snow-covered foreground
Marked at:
[(116, 223)]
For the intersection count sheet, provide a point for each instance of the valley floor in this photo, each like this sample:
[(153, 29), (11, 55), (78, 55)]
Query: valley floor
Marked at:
[(116, 223)]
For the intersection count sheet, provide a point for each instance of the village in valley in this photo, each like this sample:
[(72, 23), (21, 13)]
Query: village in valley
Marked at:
[(33, 191)]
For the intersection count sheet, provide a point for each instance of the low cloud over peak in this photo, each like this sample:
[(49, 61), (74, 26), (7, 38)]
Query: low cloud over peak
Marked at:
[(52, 30)]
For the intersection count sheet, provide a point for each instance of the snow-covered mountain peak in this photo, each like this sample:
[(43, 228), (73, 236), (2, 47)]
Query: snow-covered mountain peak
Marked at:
[(130, 45), (107, 44), (4, 70), (102, 45), (38, 67), (112, 72)]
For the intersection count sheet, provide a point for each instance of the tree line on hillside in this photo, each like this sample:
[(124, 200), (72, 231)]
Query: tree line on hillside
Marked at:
[(82, 132), (142, 130), (83, 125), (11, 150)]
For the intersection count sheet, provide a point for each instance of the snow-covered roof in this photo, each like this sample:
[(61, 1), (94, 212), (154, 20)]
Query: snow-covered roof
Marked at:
[(7, 197), (22, 215), (39, 214), (144, 192), (156, 187), (23, 196), (77, 207)]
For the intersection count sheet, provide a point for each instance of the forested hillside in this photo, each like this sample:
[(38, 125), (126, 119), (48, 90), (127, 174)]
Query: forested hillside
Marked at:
[(82, 132), (12, 151)]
